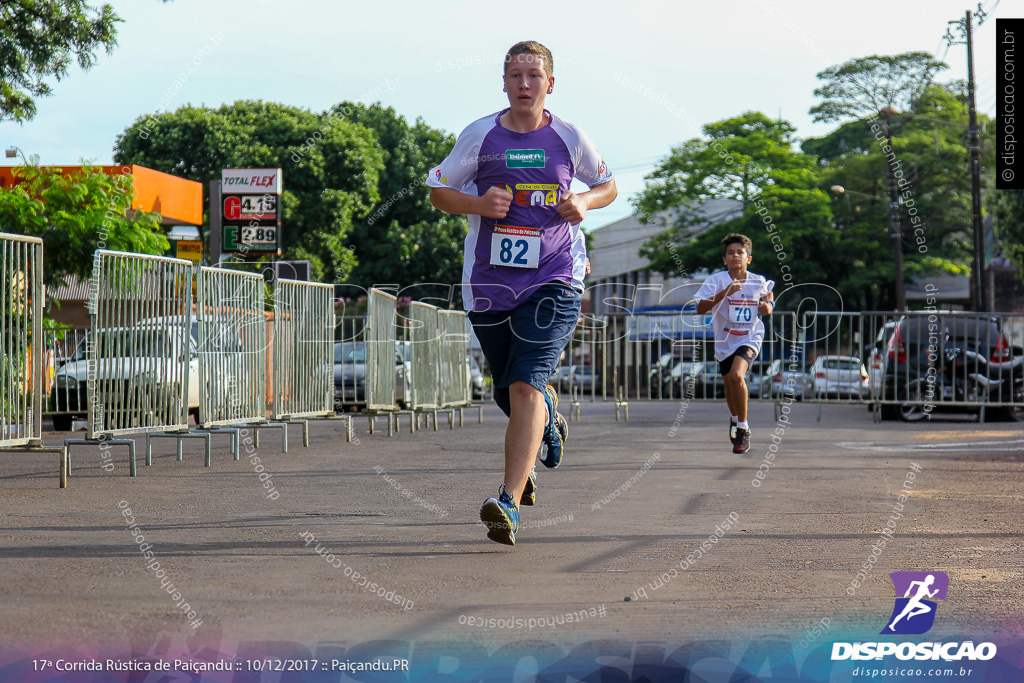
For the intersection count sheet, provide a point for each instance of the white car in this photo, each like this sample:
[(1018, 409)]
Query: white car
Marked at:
[(782, 381), (839, 376), (138, 381)]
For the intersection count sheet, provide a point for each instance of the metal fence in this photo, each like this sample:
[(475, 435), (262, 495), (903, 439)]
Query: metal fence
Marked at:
[(380, 351), (909, 366), (303, 356), (671, 355), (913, 365), (423, 338), (66, 361), (21, 340), (142, 373), (454, 360), (232, 340)]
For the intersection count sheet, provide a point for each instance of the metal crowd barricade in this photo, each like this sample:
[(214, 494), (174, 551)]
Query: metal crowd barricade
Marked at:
[(143, 376), (23, 375), (232, 347), (383, 368), (67, 397), (349, 355), (423, 337), (380, 351), (943, 361), (456, 390), (581, 375), (427, 360), (670, 355), (454, 384), (232, 339), (836, 366), (303, 355)]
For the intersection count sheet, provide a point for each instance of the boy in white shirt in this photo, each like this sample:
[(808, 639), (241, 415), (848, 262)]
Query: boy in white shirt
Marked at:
[(737, 298)]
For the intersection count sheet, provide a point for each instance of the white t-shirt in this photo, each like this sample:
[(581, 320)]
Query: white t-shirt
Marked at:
[(735, 318)]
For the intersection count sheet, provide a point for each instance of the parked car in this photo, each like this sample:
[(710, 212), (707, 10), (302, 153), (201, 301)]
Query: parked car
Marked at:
[(136, 376), (918, 346), (839, 376), (578, 377), (756, 373), (561, 378), (781, 381), (350, 375), (585, 379), (698, 379), (875, 361), (477, 382)]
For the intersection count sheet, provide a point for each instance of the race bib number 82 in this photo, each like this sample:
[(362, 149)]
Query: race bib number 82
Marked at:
[(514, 246)]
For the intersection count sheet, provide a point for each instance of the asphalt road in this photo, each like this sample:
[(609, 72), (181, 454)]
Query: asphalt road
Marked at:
[(650, 530)]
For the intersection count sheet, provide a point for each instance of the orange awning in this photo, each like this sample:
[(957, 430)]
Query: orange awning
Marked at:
[(177, 200)]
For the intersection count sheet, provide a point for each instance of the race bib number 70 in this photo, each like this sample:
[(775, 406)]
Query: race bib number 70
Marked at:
[(515, 246), (742, 312)]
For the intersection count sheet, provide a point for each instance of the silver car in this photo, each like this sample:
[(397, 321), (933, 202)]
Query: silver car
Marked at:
[(783, 381), (839, 376)]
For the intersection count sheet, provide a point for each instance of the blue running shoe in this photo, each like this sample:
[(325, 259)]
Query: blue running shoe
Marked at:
[(501, 517), (555, 433), (529, 496)]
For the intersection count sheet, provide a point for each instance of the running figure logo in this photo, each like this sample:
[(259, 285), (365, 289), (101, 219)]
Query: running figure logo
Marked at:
[(912, 613)]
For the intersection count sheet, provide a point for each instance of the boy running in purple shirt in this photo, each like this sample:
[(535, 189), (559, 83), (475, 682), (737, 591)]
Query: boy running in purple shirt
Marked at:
[(524, 260)]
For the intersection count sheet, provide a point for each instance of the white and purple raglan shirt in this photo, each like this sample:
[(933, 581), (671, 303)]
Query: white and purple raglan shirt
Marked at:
[(506, 259)]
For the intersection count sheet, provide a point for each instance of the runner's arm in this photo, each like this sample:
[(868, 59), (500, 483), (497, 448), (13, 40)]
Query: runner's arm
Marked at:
[(705, 305), (574, 207), (493, 204)]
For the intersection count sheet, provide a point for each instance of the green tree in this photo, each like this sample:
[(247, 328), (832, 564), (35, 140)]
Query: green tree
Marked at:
[(930, 152), (331, 167), (868, 85), (749, 159), (876, 91), (75, 214), (405, 240), (1008, 212), (39, 39)]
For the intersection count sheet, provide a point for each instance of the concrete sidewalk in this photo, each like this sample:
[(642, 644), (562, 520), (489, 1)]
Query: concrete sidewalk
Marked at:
[(650, 529)]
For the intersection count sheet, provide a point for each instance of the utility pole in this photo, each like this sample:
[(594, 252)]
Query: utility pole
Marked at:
[(973, 146), (895, 232)]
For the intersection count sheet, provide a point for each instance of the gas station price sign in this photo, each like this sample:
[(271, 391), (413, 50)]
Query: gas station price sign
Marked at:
[(251, 210)]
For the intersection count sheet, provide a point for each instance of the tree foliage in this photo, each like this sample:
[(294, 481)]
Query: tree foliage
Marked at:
[(1008, 212), (75, 214), (331, 167), (868, 85), (354, 198), (405, 240), (930, 156), (40, 40), (750, 159)]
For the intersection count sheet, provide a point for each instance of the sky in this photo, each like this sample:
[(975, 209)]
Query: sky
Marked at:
[(638, 78)]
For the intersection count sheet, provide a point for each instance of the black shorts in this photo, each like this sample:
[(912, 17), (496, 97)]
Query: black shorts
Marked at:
[(745, 352)]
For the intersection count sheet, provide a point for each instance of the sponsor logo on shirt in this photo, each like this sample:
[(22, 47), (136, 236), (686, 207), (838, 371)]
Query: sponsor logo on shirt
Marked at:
[(524, 158), (536, 194)]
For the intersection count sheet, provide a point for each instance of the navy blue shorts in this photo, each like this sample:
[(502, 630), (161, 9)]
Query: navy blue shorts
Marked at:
[(526, 343)]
